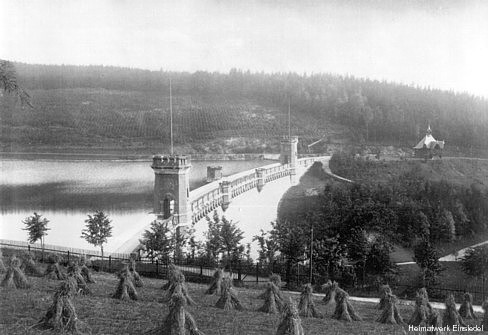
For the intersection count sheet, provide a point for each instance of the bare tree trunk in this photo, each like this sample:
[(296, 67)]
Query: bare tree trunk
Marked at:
[(230, 262), (42, 248), (103, 260)]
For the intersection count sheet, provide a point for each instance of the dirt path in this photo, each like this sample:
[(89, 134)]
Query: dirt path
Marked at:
[(455, 257), (327, 170)]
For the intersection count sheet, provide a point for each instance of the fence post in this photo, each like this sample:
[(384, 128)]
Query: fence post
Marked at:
[(28, 248), (201, 269), (68, 256), (110, 263), (257, 273), (298, 274), (483, 288), (157, 268), (239, 273)]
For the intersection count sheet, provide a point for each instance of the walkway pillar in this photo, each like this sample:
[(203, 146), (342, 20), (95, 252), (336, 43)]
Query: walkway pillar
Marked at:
[(226, 189), (260, 178)]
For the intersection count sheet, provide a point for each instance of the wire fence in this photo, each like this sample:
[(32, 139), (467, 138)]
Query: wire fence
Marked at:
[(243, 273), (62, 250)]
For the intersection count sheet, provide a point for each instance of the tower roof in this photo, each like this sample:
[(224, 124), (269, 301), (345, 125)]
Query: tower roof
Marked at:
[(429, 141)]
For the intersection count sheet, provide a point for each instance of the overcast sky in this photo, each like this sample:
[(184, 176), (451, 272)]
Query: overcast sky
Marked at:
[(437, 43)]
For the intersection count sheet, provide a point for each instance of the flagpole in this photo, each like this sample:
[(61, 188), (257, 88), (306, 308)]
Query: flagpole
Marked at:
[(289, 118), (171, 116)]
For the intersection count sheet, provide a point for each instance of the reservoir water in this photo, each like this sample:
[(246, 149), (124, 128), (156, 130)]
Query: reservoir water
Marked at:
[(65, 191)]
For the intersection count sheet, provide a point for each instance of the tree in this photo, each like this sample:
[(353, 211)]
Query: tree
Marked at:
[(443, 228), (378, 260), (267, 247), (368, 117), (427, 258), (196, 248), (36, 225), (291, 240), (213, 243), (98, 229), (8, 82), (223, 237), (158, 240), (329, 256), (461, 218), (412, 223), (231, 237), (475, 262)]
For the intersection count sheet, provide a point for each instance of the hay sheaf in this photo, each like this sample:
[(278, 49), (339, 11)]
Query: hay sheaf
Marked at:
[(15, 278), (385, 291), (29, 266), (330, 289), (2, 266), (273, 300), (423, 309), (306, 307), (53, 270), (290, 323), (390, 313), (135, 275), (61, 315), (228, 298), (125, 288), (451, 316), (76, 280), (344, 310), (484, 322), (276, 280), (435, 321), (216, 284), (177, 281), (85, 271), (173, 274), (466, 309), (179, 321)]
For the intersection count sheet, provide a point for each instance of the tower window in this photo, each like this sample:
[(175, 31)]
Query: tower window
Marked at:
[(168, 207)]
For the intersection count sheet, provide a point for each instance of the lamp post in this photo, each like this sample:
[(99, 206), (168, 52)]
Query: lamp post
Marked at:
[(311, 252)]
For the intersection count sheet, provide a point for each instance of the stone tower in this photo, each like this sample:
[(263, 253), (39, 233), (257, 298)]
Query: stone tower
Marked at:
[(288, 153), (172, 188)]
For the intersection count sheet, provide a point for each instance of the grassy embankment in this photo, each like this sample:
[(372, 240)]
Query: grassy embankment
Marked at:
[(20, 309)]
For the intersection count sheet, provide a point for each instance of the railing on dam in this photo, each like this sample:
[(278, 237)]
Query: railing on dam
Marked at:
[(209, 197)]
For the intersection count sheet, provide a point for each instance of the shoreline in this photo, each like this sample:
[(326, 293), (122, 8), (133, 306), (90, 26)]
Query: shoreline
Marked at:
[(77, 156)]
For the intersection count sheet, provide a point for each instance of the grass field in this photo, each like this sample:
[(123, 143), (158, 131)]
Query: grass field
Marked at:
[(20, 309)]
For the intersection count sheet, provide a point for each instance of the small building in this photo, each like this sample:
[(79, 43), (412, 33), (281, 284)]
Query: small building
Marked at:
[(214, 173), (428, 147)]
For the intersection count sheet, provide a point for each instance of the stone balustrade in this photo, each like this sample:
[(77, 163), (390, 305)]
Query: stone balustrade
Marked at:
[(209, 197)]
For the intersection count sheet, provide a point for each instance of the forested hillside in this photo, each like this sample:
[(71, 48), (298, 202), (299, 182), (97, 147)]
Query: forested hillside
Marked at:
[(96, 106)]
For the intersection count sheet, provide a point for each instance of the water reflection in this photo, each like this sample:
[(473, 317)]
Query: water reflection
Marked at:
[(66, 191)]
